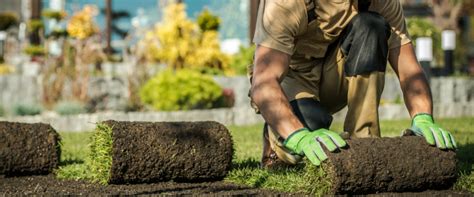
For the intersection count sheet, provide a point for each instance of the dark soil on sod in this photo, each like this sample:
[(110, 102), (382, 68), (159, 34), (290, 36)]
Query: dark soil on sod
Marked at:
[(145, 152), (49, 186), (371, 165), (28, 149)]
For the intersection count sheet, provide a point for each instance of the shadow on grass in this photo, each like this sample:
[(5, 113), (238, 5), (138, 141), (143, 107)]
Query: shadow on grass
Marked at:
[(465, 155), (70, 162), (246, 164), (253, 164)]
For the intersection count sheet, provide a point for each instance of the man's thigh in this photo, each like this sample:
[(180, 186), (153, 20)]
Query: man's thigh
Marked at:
[(322, 79), (333, 86), (302, 81)]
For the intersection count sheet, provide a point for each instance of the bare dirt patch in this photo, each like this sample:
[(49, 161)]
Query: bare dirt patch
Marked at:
[(48, 185)]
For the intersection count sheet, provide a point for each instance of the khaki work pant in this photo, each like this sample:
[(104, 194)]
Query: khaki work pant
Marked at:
[(328, 83)]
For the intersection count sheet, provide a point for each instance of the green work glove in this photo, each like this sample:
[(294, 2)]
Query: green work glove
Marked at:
[(305, 142), (423, 125)]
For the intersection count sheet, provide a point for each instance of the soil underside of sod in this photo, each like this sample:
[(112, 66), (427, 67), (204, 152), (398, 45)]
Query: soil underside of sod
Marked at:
[(28, 149), (48, 185), (391, 164), (182, 151)]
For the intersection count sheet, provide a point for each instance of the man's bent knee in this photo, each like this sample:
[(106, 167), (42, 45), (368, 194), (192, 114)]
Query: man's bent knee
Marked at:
[(311, 113)]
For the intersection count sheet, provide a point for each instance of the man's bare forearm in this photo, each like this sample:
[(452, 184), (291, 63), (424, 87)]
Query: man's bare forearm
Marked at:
[(414, 85), (266, 92), (417, 94), (274, 107)]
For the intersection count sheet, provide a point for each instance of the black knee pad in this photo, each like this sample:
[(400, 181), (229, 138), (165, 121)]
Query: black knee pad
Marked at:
[(371, 21), (365, 44), (311, 113)]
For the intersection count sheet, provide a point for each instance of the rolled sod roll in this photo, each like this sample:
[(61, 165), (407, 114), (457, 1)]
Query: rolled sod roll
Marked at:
[(28, 149), (373, 165), (144, 152)]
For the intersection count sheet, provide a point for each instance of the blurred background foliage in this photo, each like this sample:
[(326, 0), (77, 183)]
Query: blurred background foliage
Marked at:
[(2, 111), (35, 50), (69, 108), (35, 25), (182, 89), (423, 27), (27, 109), (82, 24), (181, 43), (243, 59), (208, 21), (53, 14), (7, 20)]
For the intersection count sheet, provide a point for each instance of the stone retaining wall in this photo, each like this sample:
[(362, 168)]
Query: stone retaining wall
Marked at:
[(229, 116), (453, 97), (28, 89)]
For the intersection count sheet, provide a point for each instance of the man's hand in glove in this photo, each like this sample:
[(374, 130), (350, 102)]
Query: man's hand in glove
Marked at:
[(423, 125), (307, 143)]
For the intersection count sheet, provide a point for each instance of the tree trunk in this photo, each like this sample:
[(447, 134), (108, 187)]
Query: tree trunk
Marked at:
[(446, 14), (108, 31), (35, 15)]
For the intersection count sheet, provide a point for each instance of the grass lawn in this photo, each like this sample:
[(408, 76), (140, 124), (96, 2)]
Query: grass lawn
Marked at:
[(247, 142)]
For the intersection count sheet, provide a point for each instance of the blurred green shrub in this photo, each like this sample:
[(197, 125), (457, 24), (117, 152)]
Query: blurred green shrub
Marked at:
[(57, 33), (7, 19), (422, 27), (34, 25), (53, 14), (180, 90), (27, 109), (2, 111), (69, 108), (243, 59), (208, 21), (35, 50)]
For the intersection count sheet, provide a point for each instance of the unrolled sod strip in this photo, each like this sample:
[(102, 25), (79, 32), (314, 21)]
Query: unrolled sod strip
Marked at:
[(144, 152), (374, 165), (28, 149)]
